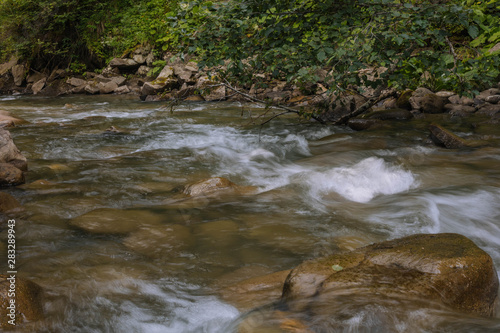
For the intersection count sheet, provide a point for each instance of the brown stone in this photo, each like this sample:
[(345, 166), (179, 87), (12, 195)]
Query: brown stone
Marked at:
[(489, 109), (8, 203), (445, 138), (445, 268), (38, 86), (29, 307), (426, 101), (18, 72), (360, 124), (210, 186), (6, 120), (403, 101), (10, 175), (391, 114), (459, 109)]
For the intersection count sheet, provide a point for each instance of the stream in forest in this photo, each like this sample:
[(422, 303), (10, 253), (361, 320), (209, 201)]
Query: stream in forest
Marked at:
[(317, 190)]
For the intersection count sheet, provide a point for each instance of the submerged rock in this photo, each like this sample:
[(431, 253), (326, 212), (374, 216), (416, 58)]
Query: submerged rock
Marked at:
[(8, 203), (445, 138), (28, 301), (211, 186), (10, 175), (115, 221), (445, 268)]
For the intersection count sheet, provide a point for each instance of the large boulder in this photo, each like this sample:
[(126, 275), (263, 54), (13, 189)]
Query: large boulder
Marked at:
[(124, 64), (426, 101), (9, 152), (28, 301), (445, 268)]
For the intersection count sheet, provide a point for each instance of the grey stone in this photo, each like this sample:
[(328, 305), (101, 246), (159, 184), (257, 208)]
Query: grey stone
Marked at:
[(18, 72), (107, 87), (122, 90), (123, 63), (91, 89), (75, 82), (6, 67), (38, 86), (139, 58), (494, 99), (459, 110), (119, 80)]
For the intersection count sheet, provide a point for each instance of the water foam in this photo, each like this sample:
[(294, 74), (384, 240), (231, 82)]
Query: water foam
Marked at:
[(363, 181)]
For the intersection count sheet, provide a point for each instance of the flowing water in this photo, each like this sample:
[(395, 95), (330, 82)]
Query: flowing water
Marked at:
[(317, 190)]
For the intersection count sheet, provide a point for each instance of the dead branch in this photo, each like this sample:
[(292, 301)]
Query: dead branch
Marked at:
[(365, 107)]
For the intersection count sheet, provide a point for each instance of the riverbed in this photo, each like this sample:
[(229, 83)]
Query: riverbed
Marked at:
[(315, 190)]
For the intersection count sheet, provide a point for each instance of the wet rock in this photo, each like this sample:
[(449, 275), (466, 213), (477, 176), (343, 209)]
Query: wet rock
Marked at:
[(360, 124), (223, 233), (255, 291), (38, 86), (403, 101), (488, 93), (6, 120), (115, 221), (489, 109), (459, 110), (445, 268), (426, 101), (116, 130), (160, 240), (442, 137), (391, 114), (91, 88), (8, 203), (494, 99), (28, 306), (18, 72), (210, 186), (9, 152)]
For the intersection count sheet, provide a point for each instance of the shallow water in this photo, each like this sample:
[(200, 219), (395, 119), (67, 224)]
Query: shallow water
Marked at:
[(318, 190)]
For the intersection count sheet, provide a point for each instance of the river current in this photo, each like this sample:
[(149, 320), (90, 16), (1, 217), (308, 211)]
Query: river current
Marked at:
[(318, 190)]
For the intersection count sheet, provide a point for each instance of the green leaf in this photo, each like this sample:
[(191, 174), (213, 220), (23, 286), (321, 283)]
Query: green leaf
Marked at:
[(473, 31), (321, 56)]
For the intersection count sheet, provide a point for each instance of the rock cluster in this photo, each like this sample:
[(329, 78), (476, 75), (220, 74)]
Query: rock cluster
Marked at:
[(12, 162)]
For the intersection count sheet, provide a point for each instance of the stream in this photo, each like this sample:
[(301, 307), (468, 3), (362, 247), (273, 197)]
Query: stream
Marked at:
[(317, 190)]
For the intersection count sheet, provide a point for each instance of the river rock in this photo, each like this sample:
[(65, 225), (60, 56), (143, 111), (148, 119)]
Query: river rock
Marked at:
[(459, 109), (493, 99), (28, 299), (6, 120), (455, 99), (255, 291), (124, 64), (76, 82), (489, 109), (403, 101), (391, 114), (107, 87), (122, 90), (38, 86), (10, 175), (18, 72), (223, 233), (8, 203), (91, 88), (115, 221), (487, 93), (210, 186), (9, 152), (426, 101), (7, 66), (360, 124), (442, 137), (215, 94), (445, 268), (160, 241)]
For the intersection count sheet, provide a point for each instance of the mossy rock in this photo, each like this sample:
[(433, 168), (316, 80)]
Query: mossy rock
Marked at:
[(403, 101), (443, 268)]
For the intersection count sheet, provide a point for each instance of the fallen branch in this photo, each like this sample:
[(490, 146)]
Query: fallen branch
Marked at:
[(365, 107)]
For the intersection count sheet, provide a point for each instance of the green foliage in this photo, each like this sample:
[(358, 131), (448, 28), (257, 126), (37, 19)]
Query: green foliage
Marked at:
[(416, 41)]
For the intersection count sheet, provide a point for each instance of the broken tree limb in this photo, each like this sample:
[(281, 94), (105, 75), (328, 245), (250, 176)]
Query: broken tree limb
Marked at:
[(365, 107)]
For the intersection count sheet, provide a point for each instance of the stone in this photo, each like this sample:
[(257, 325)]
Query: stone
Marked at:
[(487, 93), (391, 114), (493, 99), (426, 101), (215, 94), (57, 74), (210, 186), (38, 86), (360, 124), (442, 137), (403, 101), (122, 90), (160, 241), (150, 88), (7, 66), (166, 73), (29, 301), (119, 80), (116, 130), (455, 99), (495, 48), (192, 66), (459, 109), (194, 98), (6, 120), (8, 203), (18, 72), (79, 89), (390, 103), (115, 221), (91, 89), (9, 153), (107, 88), (255, 291), (143, 70), (489, 109), (139, 58), (182, 73), (32, 78), (10, 175), (124, 64), (445, 268)]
